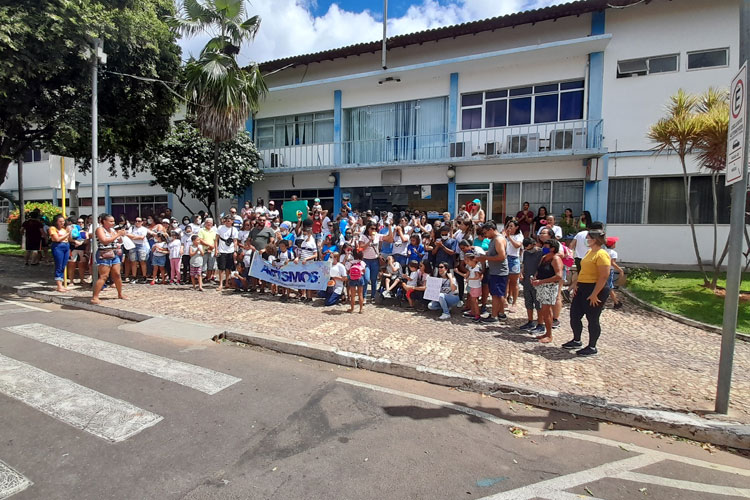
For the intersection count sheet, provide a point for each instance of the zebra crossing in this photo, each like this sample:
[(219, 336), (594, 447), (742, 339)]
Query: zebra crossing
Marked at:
[(83, 408)]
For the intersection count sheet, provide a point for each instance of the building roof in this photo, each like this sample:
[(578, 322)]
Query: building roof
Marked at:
[(575, 8)]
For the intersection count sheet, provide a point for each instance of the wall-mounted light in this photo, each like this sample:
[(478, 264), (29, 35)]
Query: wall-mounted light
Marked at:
[(332, 178), (389, 79), (451, 173)]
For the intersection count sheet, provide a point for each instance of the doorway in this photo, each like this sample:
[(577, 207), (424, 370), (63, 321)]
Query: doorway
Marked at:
[(466, 197)]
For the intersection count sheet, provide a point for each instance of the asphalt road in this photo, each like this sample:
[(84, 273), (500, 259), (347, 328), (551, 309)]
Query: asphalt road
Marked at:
[(88, 412)]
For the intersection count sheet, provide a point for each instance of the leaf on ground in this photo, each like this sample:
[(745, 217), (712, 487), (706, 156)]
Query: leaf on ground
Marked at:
[(588, 490), (518, 432)]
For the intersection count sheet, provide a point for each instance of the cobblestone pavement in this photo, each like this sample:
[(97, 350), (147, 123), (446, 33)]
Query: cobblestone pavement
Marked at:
[(644, 359)]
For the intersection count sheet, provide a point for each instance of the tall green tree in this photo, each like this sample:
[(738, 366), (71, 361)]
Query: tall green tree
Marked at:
[(221, 95), (183, 164), (45, 88)]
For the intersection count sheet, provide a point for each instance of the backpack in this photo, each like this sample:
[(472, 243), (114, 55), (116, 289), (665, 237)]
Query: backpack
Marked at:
[(355, 272)]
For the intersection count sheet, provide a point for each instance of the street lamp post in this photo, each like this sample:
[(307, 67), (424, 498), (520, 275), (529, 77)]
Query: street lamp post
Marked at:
[(98, 57)]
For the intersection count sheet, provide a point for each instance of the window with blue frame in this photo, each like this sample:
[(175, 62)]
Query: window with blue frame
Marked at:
[(544, 103), (294, 130)]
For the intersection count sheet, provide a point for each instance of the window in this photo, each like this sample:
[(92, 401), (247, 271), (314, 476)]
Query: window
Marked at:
[(537, 194), (702, 203), (625, 201), (31, 155), (280, 196), (4, 210), (137, 206), (86, 202), (506, 198), (396, 198), (647, 66), (708, 59), (295, 130), (546, 103), (566, 194), (666, 201)]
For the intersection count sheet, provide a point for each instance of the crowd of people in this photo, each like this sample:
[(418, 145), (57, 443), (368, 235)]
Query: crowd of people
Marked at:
[(484, 266)]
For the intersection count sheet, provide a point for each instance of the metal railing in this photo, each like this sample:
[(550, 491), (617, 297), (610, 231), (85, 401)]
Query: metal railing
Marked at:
[(547, 139)]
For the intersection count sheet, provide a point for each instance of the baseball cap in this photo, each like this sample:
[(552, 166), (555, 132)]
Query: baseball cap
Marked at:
[(477, 201), (165, 221), (317, 200), (611, 240)]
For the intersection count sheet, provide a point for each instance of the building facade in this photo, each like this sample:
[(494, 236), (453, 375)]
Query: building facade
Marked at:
[(549, 106)]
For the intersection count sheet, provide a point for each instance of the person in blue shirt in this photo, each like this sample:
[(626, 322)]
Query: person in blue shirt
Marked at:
[(285, 228), (328, 248), (415, 250), (445, 248)]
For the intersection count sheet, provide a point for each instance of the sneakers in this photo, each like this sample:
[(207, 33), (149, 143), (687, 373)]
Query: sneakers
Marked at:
[(587, 351), (460, 303), (573, 344), (486, 318), (445, 316), (468, 314), (555, 323), (566, 295), (387, 295), (483, 310), (537, 330), (618, 305), (502, 317), (527, 326)]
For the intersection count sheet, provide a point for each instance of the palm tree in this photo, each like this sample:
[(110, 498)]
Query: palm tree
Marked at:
[(221, 95), (679, 131)]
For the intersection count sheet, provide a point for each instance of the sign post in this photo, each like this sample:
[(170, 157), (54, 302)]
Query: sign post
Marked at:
[(736, 175)]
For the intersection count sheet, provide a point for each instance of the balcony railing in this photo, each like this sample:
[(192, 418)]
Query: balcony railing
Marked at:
[(538, 140)]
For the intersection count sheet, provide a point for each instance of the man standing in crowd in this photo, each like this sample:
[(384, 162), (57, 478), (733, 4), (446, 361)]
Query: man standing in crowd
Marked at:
[(227, 236), (445, 248), (236, 219), (525, 217), (260, 236), (497, 263), (207, 236)]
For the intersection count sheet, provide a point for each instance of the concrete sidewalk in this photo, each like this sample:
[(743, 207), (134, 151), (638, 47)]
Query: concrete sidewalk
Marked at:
[(647, 362)]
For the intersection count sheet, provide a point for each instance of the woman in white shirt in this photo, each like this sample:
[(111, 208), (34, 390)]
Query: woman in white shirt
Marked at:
[(308, 252), (515, 243), (369, 245)]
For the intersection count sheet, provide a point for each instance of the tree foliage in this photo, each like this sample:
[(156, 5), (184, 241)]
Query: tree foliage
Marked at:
[(183, 165), (45, 78)]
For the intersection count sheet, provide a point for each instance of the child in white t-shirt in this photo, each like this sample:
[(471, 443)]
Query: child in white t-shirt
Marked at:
[(196, 262), (391, 277), (473, 276), (175, 257), (611, 244)]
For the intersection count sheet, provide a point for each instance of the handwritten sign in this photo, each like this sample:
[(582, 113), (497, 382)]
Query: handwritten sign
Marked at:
[(310, 276), (432, 292)]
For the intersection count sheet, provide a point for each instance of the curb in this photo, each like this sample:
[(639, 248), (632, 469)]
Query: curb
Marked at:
[(690, 426), (678, 318), (685, 425)]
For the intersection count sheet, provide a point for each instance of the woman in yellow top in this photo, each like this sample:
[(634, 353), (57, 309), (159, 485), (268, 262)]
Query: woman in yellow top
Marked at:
[(59, 236), (590, 293)]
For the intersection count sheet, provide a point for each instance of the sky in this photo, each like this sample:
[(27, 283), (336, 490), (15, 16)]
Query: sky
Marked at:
[(294, 27)]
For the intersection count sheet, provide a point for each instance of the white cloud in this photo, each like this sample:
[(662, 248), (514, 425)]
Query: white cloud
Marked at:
[(289, 28)]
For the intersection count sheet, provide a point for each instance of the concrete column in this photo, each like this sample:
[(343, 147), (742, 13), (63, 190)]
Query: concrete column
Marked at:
[(337, 132), (596, 192)]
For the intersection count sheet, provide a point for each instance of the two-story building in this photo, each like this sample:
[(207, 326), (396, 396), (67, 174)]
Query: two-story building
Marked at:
[(550, 106)]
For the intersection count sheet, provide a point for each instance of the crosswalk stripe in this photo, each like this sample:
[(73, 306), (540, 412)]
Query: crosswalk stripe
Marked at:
[(78, 406), (11, 481), (24, 305), (15, 310), (195, 377)]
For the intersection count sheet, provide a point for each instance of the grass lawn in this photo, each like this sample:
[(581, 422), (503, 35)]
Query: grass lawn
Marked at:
[(683, 293), (11, 249)]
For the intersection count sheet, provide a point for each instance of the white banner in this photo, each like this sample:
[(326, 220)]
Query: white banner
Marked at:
[(310, 276), (55, 171)]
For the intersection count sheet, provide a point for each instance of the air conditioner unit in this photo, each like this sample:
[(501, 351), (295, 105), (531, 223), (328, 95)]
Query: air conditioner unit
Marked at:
[(568, 139), (493, 148), (524, 143), (277, 160), (458, 149)]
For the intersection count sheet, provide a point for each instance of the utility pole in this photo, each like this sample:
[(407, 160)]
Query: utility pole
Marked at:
[(97, 57), (21, 204), (385, 34), (736, 232)]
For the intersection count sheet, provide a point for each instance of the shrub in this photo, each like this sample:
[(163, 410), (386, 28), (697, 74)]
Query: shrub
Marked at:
[(46, 210)]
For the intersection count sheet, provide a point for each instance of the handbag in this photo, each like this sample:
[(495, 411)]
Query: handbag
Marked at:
[(106, 254)]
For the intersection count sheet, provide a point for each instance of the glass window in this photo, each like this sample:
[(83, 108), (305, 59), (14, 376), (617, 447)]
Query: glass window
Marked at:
[(471, 118), (632, 67), (551, 87), (545, 108), (625, 201), (666, 201), (520, 91), (578, 84), (505, 200), (662, 64), (537, 194), (520, 111), (473, 186), (571, 105), (471, 99), (496, 94), (495, 113), (294, 130), (566, 194), (701, 200), (708, 59)]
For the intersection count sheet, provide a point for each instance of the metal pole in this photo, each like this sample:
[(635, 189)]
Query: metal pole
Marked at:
[(94, 155), (21, 204), (64, 212), (385, 31), (736, 231)]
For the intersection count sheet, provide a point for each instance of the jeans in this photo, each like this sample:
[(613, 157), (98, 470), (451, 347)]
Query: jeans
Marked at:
[(401, 259), (149, 264), (581, 306), (61, 254), (445, 302), (332, 298), (371, 276)]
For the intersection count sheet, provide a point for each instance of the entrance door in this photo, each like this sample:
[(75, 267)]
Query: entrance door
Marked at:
[(466, 197)]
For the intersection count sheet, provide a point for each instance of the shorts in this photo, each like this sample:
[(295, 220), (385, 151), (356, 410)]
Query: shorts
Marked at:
[(209, 262), (578, 264), (514, 265), (195, 271), (159, 260), (355, 283), (475, 292), (225, 261), (530, 297), (547, 293), (77, 255), (498, 285), (611, 279), (138, 254), (108, 262)]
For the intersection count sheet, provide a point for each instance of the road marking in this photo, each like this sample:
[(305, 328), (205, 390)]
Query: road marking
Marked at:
[(196, 377), (15, 310), (11, 481), (27, 306), (554, 490), (79, 406), (564, 495), (685, 485)]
